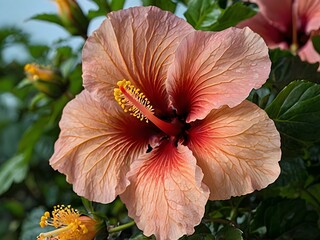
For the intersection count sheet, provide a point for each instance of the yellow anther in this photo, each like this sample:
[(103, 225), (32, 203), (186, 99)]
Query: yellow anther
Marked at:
[(69, 224), (127, 91)]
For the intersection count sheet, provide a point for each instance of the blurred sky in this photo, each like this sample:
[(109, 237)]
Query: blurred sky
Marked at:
[(17, 12)]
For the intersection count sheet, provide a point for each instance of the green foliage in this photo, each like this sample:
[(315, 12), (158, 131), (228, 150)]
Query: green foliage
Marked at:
[(316, 43), (167, 5), (229, 232), (13, 170), (208, 15), (287, 68), (51, 18), (296, 113)]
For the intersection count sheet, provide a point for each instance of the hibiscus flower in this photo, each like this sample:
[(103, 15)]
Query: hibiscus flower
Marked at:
[(288, 24), (163, 121)]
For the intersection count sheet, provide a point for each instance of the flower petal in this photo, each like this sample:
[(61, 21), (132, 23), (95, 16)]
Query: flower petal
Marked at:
[(166, 196), (271, 35), (238, 150), (135, 44), (309, 14), (96, 146), (309, 54), (278, 13), (215, 69)]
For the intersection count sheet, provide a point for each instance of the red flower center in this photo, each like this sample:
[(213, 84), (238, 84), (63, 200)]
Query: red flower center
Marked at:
[(137, 104)]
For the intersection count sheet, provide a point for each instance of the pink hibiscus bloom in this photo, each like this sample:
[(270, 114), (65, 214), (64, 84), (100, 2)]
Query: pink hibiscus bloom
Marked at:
[(288, 24), (192, 136)]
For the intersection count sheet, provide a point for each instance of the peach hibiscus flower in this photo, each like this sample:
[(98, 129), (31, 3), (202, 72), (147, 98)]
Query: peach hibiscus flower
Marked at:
[(288, 24), (163, 121)]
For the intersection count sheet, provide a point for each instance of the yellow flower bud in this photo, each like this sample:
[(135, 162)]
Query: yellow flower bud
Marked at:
[(45, 80)]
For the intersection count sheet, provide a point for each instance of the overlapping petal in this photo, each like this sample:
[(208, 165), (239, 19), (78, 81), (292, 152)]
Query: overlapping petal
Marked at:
[(215, 69), (271, 34), (96, 146), (237, 150), (135, 44), (309, 14), (278, 13), (308, 53), (166, 196)]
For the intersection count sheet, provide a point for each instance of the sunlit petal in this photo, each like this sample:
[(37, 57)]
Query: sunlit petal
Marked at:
[(237, 149), (166, 196), (135, 44), (96, 146), (212, 69)]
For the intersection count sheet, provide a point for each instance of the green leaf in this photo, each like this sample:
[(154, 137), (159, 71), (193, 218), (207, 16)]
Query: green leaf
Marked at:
[(296, 112), (14, 170), (287, 68), (32, 134), (286, 219), (207, 14), (232, 16), (312, 195), (38, 51), (202, 232), (30, 226), (293, 178), (229, 233), (201, 14), (316, 43), (167, 5), (52, 18), (117, 4)]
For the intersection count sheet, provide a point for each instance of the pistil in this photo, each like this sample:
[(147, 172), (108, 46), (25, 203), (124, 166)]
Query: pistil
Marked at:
[(133, 101)]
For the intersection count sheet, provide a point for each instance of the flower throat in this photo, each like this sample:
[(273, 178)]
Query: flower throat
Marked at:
[(137, 104)]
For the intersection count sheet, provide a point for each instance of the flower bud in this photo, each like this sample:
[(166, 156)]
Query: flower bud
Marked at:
[(73, 17), (45, 79)]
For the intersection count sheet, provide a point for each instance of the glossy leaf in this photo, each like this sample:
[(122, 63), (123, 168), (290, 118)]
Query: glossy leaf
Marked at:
[(296, 112), (287, 68), (201, 14), (207, 15), (231, 16), (167, 5), (229, 232)]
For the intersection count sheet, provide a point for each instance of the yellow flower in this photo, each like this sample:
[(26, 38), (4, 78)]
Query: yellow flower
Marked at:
[(69, 225)]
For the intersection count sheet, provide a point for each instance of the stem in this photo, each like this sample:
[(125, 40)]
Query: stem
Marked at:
[(121, 227), (294, 46)]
